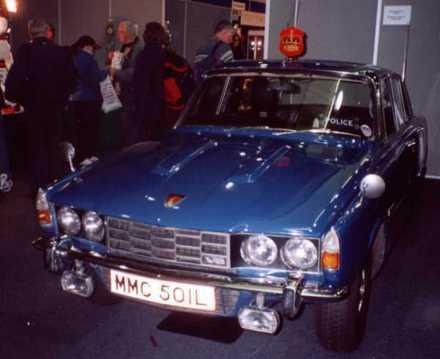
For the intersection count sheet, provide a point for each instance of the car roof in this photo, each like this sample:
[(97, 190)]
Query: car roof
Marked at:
[(324, 66)]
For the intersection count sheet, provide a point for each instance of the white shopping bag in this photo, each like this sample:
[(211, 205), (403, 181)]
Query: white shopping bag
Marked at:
[(110, 100)]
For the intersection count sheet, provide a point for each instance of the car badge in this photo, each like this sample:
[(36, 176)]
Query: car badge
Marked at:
[(173, 200)]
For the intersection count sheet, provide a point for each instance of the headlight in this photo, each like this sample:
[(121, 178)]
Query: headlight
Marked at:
[(300, 253), (69, 221), (259, 250), (93, 226)]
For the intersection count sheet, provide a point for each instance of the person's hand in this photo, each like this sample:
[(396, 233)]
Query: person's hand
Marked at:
[(116, 60), (112, 72)]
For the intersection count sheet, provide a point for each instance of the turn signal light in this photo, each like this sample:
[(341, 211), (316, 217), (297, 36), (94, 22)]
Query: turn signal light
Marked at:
[(44, 217), (330, 261), (330, 255), (42, 207)]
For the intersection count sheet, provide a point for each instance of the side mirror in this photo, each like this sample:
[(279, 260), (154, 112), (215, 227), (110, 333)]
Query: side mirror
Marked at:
[(372, 186), (69, 154)]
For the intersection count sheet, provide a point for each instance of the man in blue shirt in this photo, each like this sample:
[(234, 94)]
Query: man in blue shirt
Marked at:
[(86, 100)]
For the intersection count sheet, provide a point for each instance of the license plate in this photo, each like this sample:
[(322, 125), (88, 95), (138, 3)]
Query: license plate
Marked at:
[(190, 296)]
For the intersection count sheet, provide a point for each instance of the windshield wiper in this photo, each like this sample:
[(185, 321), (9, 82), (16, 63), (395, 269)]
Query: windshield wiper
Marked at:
[(322, 130)]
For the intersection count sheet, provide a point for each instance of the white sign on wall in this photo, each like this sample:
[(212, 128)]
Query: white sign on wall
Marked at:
[(237, 9), (397, 15), (236, 5)]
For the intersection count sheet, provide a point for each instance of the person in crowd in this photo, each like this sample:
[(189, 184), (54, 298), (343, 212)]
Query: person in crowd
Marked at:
[(216, 51), (41, 79), (179, 85), (148, 82), (86, 100), (237, 47), (51, 34), (122, 72)]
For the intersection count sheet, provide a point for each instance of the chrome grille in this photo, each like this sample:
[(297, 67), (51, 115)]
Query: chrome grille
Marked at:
[(158, 244)]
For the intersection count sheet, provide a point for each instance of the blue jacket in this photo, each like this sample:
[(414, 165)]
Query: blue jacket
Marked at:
[(89, 77)]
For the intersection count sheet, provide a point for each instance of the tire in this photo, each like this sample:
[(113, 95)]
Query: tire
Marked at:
[(340, 326)]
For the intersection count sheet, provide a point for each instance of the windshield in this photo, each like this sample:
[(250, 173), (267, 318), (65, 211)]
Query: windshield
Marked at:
[(300, 103)]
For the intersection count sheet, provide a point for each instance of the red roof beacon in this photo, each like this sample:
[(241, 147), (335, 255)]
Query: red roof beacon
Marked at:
[(292, 42)]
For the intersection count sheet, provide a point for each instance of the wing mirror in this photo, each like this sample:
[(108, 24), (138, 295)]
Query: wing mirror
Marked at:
[(69, 154), (372, 186)]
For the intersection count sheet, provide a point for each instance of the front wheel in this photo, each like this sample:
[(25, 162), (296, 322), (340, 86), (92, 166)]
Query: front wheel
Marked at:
[(340, 326)]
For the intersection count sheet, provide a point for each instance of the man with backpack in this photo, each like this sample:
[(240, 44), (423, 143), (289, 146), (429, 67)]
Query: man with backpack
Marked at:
[(178, 86), (216, 52)]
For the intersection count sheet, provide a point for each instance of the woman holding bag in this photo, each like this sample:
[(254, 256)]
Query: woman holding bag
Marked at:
[(87, 100)]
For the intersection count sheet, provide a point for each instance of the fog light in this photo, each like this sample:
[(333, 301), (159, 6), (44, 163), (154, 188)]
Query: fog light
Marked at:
[(77, 282), (259, 320)]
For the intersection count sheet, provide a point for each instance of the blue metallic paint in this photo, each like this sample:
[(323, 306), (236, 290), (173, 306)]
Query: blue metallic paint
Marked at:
[(240, 181), (240, 193)]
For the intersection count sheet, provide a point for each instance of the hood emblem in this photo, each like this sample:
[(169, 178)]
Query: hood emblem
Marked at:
[(173, 200)]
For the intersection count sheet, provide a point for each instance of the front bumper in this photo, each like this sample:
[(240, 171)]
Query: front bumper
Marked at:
[(290, 291)]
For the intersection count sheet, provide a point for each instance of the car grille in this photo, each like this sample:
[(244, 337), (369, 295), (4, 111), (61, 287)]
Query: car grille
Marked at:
[(162, 244)]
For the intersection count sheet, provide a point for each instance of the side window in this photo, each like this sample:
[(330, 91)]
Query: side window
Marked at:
[(399, 103), (387, 105)]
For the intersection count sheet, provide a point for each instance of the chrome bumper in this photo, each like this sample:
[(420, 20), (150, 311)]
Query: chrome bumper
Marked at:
[(275, 286)]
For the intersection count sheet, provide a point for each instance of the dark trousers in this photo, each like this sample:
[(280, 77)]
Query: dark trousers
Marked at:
[(44, 124), (132, 131), (86, 119)]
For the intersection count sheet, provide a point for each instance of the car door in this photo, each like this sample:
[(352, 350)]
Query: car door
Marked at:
[(397, 146), (407, 134), (398, 154)]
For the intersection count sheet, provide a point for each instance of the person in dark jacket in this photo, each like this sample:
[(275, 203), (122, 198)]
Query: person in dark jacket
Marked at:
[(41, 79), (86, 100), (148, 83), (123, 76), (217, 51)]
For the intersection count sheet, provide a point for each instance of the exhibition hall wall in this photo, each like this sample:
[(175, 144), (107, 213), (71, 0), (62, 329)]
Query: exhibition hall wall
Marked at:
[(345, 30), (75, 18), (90, 17), (191, 24), (27, 10)]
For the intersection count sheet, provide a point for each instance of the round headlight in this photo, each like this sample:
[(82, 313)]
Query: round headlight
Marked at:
[(300, 253), (259, 250), (93, 226), (69, 221)]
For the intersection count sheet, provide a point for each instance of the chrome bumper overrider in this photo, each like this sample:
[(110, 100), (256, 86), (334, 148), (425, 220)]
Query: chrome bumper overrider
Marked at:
[(287, 288)]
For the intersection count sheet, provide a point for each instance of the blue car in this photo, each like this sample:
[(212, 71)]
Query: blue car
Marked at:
[(277, 188)]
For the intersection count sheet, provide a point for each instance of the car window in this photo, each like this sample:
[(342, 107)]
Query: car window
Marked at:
[(387, 105), (292, 103), (206, 104), (407, 101), (398, 103)]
